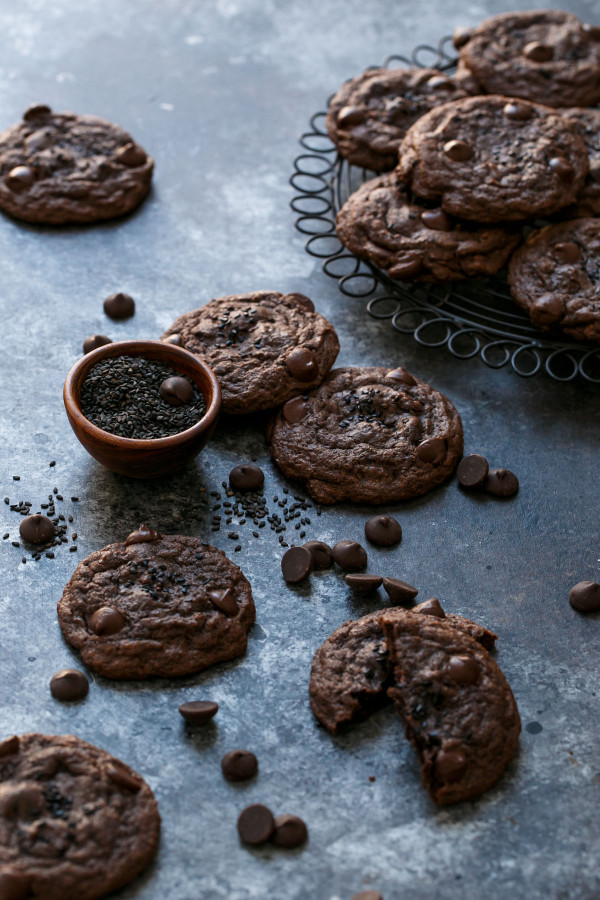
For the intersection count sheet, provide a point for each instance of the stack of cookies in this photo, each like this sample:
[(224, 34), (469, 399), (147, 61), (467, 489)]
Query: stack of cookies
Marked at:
[(472, 162)]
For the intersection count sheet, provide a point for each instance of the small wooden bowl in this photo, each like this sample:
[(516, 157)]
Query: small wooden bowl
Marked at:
[(153, 457)]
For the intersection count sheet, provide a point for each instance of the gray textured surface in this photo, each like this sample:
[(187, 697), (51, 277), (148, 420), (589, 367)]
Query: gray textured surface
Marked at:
[(218, 93)]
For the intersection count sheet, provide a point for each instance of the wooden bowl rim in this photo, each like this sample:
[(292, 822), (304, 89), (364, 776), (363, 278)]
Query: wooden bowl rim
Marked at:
[(81, 368)]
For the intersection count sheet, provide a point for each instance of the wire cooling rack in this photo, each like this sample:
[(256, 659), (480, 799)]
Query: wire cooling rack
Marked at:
[(470, 318)]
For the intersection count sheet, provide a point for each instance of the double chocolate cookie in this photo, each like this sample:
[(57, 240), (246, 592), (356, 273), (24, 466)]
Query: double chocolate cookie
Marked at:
[(74, 821), (264, 347), (156, 605), (554, 277), (494, 159), (369, 115), (57, 168), (411, 242), (543, 55), (371, 435)]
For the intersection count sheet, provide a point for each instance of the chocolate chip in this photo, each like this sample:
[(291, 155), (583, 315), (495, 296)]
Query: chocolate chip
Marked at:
[(37, 529), (399, 591), (239, 765), (246, 478), (458, 151), (174, 339), (94, 341), (472, 471), (461, 37), (131, 155), (407, 266), (368, 895), (143, 534), (294, 410), (593, 31), (440, 82), (119, 306), (302, 300), (364, 584), (322, 554), (106, 621), (567, 252), (176, 391), (517, 111), (14, 886), (433, 450), (431, 608), (69, 685), (296, 564), (36, 111), (463, 670), (538, 52), (8, 747), (585, 596), (436, 219), (224, 601), (20, 179), (450, 765), (400, 374), (198, 712), (119, 775), (562, 168), (548, 309), (255, 824), (349, 116), (383, 531), (289, 832), (302, 364), (501, 483), (350, 555)]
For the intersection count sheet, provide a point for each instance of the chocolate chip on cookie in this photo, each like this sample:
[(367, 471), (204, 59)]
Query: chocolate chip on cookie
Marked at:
[(264, 347)]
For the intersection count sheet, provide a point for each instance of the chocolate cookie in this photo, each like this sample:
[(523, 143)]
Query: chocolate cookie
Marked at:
[(371, 435), (543, 55), (554, 277), (352, 669), (263, 347), (493, 159), (74, 821), (57, 168), (381, 224), (168, 606), (458, 709), (369, 115), (586, 122)]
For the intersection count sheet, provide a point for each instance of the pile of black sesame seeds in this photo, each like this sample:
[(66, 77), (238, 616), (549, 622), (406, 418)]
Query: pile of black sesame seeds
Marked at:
[(364, 406), (235, 332)]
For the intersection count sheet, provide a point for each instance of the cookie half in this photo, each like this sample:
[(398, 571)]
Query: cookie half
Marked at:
[(494, 159), (60, 168), (411, 242), (74, 820), (369, 115), (165, 606), (458, 710), (264, 347), (554, 277), (543, 55), (370, 435)]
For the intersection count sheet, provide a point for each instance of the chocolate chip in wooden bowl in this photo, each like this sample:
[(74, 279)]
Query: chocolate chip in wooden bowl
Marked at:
[(363, 584), (239, 765), (399, 591), (296, 564), (37, 529), (350, 555), (472, 471), (246, 477), (69, 685), (255, 824), (198, 712), (176, 391), (501, 483), (321, 553), (94, 341), (289, 832), (383, 531), (585, 597), (119, 306)]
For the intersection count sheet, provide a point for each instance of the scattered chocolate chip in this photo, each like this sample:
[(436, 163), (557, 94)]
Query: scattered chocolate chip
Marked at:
[(585, 596), (119, 306), (399, 591), (131, 155), (94, 341), (255, 824), (383, 531), (302, 364), (142, 535), (176, 391), (20, 179), (239, 765), (450, 765), (562, 168), (431, 608), (567, 252), (198, 712), (436, 219), (36, 111), (458, 151), (174, 339), (364, 584), (106, 621), (246, 478), (538, 52), (322, 554), (121, 777), (37, 529), (8, 747), (302, 300), (501, 483), (289, 832), (349, 555), (463, 670), (367, 895), (472, 471), (296, 564), (433, 450), (518, 111), (14, 886), (400, 374), (69, 685), (294, 410), (224, 601)]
